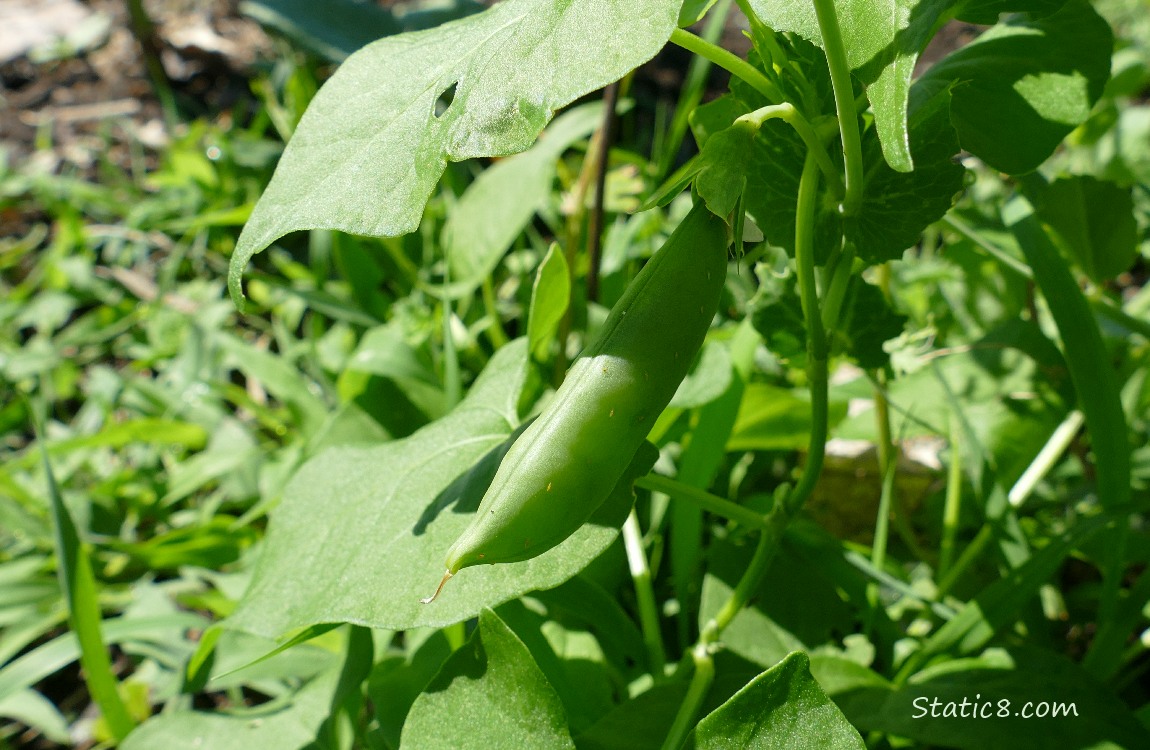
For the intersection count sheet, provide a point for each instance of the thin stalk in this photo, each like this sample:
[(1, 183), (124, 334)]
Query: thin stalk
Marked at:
[(953, 502), (968, 556), (816, 336), (729, 62), (701, 679), (595, 220), (844, 103), (789, 114), (645, 595), (494, 322), (1059, 441), (787, 503), (836, 288), (705, 500)]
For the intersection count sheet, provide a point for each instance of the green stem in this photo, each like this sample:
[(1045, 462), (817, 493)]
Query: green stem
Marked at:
[(789, 114), (705, 500), (645, 594), (816, 335), (701, 679), (844, 103), (836, 289), (494, 322), (729, 62), (1050, 454), (953, 503)]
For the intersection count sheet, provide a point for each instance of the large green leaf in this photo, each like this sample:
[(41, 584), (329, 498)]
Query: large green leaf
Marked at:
[(781, 709), (371, 147), (1021, 87), (362, 533), (491, 695)]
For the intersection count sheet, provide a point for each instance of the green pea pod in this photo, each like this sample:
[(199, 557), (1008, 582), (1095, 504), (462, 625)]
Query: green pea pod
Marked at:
[(568, 461)]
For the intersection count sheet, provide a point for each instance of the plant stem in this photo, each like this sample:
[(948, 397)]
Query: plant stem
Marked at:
[(816, 335), (1059, 441), (953, 502), (729, 62), (495, 324), (705, 500), (701, 679), (595, 220), (787, 503), (789, 114), (645, 595), (844, 103)]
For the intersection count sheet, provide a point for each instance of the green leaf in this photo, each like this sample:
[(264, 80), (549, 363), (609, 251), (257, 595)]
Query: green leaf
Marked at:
[(371, 147), (797, 605), (708, 379), (638, 724), (773, 418), (362, 533), (1095, 221), (781, 709), (291, 726), (491, 695), (693, 11), (502, 201), (987, 11), (1094, 378), (867, 323), (550, 295), (1017, 92), (897, 206)]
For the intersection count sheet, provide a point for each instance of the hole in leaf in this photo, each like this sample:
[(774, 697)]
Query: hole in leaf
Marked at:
[(443, 103)]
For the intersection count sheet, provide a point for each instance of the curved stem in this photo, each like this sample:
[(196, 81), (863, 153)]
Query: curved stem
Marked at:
[(816, 336), (701, 680), (789, 114), (844, 103), (729, 62), (705, 500)]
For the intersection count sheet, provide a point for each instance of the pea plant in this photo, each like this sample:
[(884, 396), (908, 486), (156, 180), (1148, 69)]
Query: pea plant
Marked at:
[(633, 478)]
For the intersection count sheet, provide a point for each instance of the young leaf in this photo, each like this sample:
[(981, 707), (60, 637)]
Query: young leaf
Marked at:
[(781, 709), (371, 147), (490, 694), (549, 298)]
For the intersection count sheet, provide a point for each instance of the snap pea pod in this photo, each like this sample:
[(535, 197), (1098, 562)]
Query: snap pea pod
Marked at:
[(567, 462)]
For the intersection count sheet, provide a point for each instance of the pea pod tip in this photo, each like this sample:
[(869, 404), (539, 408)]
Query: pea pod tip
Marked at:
[(430, 599)]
